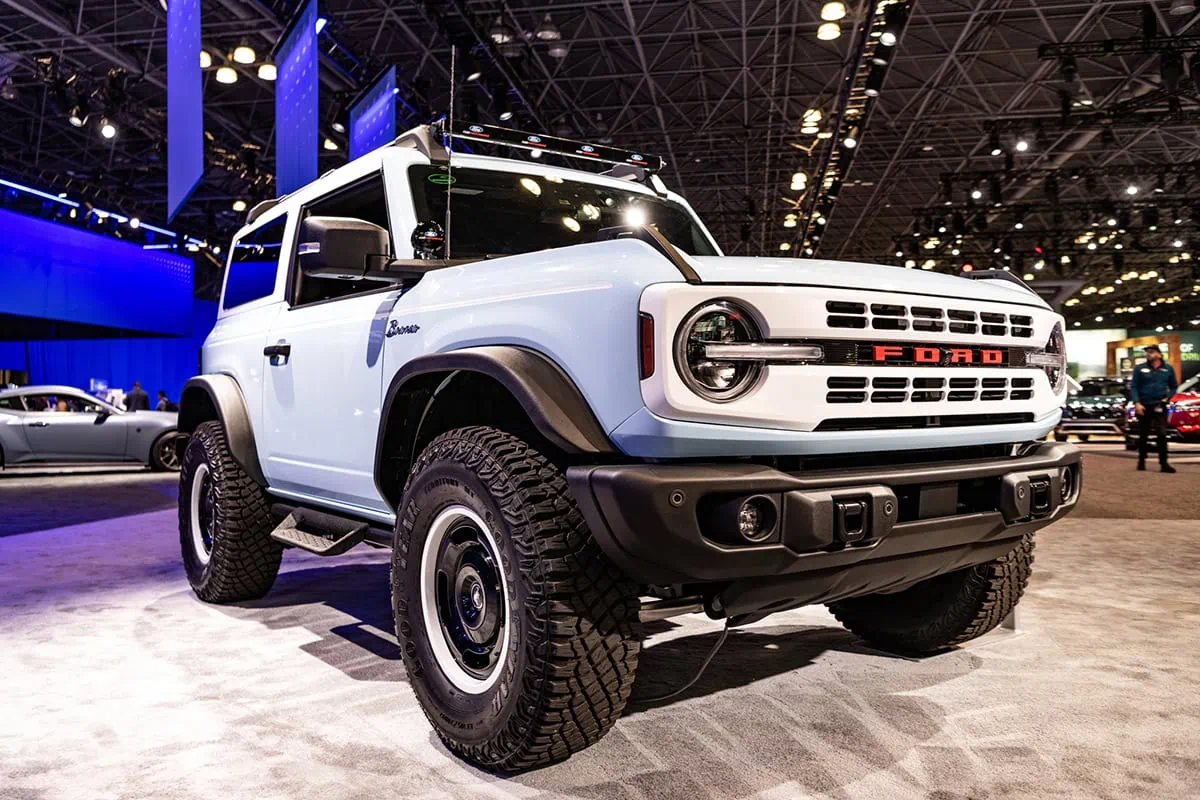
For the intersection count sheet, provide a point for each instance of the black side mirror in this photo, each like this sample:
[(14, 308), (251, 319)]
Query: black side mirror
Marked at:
[(341, 247), (101, 416)]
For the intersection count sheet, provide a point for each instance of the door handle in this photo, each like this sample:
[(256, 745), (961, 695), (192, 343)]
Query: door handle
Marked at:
[(278, 353), (39, 424)]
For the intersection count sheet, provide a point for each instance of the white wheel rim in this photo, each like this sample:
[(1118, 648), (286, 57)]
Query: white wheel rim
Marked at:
[(442, 525), (203, 554)]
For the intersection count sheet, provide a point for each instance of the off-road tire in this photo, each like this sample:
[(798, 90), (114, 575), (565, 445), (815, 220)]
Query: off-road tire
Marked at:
[(942, 611), (575, 639), (244, 558)]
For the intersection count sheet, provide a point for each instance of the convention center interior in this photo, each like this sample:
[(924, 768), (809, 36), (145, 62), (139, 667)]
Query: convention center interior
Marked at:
[(639, 399)]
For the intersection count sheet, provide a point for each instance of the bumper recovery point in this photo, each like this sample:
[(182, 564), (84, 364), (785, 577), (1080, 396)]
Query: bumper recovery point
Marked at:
[(862, 528)]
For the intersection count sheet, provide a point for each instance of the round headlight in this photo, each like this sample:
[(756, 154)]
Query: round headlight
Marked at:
[(1057, 345), (712, 376)]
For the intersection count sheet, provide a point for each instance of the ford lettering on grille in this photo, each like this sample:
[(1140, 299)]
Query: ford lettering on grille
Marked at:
[(934, 355)]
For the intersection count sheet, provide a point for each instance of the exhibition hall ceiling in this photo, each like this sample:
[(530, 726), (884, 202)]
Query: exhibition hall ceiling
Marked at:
[(1095, 145)]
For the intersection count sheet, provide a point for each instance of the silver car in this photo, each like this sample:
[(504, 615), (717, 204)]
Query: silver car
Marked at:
[(58, 423)]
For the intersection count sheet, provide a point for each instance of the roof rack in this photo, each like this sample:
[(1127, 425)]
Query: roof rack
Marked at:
[(537, 142)]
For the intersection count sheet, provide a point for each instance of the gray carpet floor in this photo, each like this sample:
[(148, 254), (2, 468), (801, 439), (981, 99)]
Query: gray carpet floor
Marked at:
[(123, 685)]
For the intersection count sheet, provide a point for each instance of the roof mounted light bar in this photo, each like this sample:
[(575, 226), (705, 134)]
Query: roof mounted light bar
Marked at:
[(491, 134)]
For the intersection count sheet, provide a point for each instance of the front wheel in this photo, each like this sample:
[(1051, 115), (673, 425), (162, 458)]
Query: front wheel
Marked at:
[(518, 635), (224, 523), (944, 610)]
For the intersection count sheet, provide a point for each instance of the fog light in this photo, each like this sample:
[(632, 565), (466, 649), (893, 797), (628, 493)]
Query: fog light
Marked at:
[(1067, 484), (756, 519)]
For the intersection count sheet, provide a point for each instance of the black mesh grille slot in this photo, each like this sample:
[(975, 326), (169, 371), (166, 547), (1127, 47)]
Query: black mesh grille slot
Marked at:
[(846, 322), (925, 311), (845, 397), (939, 421), (995, 330), (843, 307), (928, 325), (889, 324), (962, 327), (994, 383), (959, 397), (1022, 383), (1024, 333), (1023, 394), (926, 397), (1017, 319), (890, 383), (846, 383), (888, 397), (989, 316), (882, 310), (993, 395), (928, 383), (955, 313), (963, 383)]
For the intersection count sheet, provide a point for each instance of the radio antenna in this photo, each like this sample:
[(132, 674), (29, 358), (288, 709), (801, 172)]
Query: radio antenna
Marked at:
[(447, 141)]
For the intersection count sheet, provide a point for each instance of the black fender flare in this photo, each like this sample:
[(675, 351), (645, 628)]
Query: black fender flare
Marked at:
[(547, 394), (207, 397)]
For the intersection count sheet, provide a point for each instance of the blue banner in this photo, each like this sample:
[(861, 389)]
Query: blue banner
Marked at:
[(59, 272), (185, 103), (373, 116), (296, 103)]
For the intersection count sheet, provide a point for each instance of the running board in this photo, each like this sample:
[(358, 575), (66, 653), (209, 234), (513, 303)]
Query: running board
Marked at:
[(317, 532)]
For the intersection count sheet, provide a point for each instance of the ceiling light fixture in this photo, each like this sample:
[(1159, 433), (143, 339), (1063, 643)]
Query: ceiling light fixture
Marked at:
[(107, 129), (244, 54), (828, 31), (205, 59), (267, 71), (226, 75)]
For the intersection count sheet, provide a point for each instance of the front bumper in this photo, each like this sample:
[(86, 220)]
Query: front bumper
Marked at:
[(1109, 426), (835, 533)]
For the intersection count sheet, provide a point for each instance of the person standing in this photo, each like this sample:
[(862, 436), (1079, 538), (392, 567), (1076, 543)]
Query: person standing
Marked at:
[(137, 400), (1151, 389), (162, 401)]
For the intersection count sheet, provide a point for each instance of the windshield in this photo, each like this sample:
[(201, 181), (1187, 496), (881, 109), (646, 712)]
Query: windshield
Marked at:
[(1192, 384), (504, 213)]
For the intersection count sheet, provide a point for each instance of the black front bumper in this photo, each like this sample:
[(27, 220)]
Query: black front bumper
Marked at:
[(835, 533)]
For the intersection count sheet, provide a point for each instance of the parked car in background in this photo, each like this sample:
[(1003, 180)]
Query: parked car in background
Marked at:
[(62, 424), (1183, 416), (1096, 407)]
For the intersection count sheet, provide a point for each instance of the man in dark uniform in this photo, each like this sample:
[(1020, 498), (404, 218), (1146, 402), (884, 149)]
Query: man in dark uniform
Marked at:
[(137, 400), (1151, 389)]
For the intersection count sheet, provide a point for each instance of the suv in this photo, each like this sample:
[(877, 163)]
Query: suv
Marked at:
[(1096, 407), (567, 413)]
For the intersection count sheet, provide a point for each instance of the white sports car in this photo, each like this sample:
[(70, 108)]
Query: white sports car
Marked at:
[(59, 423)]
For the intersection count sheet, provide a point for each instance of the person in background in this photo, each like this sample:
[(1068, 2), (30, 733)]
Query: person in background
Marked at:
[(1150, 390), (61, 405), (137, 400), (162, 401)]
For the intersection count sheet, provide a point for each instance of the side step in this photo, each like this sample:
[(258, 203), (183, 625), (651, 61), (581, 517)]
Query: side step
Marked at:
[(317, 532)]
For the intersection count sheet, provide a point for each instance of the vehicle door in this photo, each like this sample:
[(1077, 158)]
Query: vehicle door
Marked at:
[(64, 426), (323, 377)]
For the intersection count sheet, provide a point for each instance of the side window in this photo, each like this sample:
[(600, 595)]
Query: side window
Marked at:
[(365, 200), (253, 262), (11, 403)]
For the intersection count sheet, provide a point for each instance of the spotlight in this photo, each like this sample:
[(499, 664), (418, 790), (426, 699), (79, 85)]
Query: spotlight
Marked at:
[(893, 23), (874, 81), (330, 144), (1131, 190), (320, 26), (976, 193), (1022, 143), (244, 54), (557, 50), (226, 75), (107, 129), (135, 223), (828, 31), (996, 191), (994, 142), (79, 116), (547, 31), (833, 11), (499, 32), (851, 140), (267, 71), (239, 206), (1181, 7), (205, 59)]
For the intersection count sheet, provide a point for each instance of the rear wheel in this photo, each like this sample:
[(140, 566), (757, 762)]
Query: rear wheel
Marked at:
[(944, 610), (1084, 437), (518, 635), (1060, 437), (224, 523), (164, 455)]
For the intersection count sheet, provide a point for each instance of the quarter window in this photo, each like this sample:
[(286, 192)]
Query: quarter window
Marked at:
[(253, 263)]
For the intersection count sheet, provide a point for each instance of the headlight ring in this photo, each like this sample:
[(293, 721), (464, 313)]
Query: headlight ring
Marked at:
[(714, 379)]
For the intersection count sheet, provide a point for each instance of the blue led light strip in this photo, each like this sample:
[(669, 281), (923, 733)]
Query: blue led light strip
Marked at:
[(99, 212)]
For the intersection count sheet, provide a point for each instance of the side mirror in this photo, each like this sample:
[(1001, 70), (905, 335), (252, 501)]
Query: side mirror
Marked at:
[(340, 247), (101, 416)]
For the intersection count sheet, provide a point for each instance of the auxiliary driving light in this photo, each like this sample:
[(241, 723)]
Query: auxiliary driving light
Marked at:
[(756, 519)]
